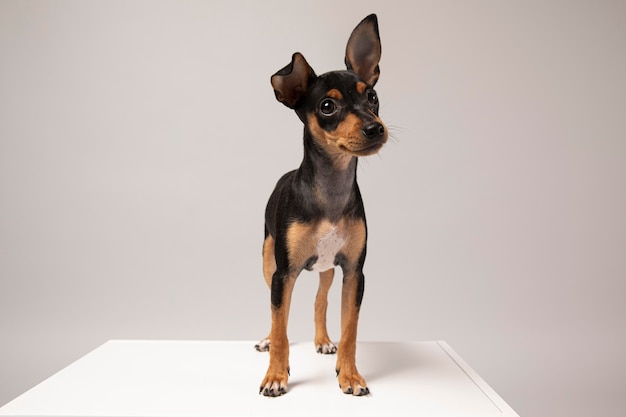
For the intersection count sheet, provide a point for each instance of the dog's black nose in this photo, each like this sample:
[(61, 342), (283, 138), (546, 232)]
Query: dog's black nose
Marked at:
[(374, 131)]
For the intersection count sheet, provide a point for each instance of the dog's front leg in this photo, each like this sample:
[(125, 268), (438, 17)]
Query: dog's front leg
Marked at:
[(350, 381), (275, 381)]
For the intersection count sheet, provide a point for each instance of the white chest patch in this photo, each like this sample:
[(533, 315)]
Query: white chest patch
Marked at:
[(327, 248)]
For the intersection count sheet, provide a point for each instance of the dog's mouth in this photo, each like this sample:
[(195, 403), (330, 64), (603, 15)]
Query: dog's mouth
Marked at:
[(368, 149)]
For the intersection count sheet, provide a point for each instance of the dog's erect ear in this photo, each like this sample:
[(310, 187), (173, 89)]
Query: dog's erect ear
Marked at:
[(291, 82), (363, 50)]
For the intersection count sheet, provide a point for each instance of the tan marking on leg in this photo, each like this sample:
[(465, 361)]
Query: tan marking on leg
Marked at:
[(269, 267), (350, 381), (275, 381), (269, 260), (323, 343)]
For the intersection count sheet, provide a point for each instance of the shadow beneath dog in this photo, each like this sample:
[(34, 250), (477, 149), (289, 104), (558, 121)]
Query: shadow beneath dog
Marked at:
[(382, 360)]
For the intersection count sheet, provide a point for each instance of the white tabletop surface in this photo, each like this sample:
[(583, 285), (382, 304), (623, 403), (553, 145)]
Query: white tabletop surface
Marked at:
[(209, 378)]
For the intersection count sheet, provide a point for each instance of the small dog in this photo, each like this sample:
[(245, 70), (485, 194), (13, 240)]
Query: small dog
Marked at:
[(315, 218)]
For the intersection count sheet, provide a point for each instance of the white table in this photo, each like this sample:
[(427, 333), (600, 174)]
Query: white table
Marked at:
[(207, 378)]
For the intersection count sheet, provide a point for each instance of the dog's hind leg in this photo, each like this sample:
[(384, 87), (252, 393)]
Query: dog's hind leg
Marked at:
[(323, 344), (269, 267)]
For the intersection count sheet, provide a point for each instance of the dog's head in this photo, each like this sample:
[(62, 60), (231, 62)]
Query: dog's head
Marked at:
[(339, 108)]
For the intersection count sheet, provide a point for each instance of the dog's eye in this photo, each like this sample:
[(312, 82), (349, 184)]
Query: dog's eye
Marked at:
[(328, 107), (372, 98)]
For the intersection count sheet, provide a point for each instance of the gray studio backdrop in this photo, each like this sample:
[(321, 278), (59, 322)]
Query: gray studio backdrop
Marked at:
[(139, 142)]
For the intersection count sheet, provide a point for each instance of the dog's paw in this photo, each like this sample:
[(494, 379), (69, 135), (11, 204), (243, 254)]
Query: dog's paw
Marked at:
[(263, 345), (352, 383), (327, 348), (274, 384)]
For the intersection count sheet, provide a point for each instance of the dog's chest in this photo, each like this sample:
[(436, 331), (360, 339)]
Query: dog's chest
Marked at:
[(329, 243)]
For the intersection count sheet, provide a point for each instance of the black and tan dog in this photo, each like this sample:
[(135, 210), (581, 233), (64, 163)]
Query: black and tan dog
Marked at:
[(315, 218)]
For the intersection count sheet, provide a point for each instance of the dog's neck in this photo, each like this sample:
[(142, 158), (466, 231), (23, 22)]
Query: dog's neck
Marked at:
[(332, 178)]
